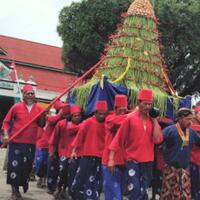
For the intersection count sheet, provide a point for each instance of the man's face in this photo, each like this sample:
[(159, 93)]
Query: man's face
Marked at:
[(76, 118), (121, 110), (66, 114), (101, 115), (29, 97), (144, 106), (185, 122)]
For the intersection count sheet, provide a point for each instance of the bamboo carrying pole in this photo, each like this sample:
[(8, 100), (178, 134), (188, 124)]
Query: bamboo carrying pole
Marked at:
[(57, 98)]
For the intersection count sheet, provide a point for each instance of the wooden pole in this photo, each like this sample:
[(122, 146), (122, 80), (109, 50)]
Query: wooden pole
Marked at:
[(57, 98)]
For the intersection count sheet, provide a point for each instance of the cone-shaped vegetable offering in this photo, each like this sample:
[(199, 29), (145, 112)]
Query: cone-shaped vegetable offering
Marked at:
[(133, 58)]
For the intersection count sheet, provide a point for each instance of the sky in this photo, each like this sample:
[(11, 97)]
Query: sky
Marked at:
[(34, 20)]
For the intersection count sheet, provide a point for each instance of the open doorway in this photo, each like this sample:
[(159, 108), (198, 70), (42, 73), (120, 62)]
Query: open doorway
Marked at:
[(5, 104)]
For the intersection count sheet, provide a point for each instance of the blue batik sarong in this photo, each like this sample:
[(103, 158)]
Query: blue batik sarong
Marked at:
[(41, 160), (72, 168), (195, 181), (67, 171), (113, 183), (52, 172), (138, 177), (87, 183), (62, 180), (20, 163)]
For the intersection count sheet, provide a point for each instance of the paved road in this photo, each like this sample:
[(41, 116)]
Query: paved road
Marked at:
[(34, 193)]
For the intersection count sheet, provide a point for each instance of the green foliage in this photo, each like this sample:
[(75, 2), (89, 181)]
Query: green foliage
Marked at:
[(132, 59), (84, 28), (180, 31)]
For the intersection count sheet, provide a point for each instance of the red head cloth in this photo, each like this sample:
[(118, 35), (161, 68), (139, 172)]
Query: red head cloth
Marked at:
[(101, 105), (75, 109), (197, 109), (145, 95), (58, 105), (66, 108), (120, 100), (27, 88)]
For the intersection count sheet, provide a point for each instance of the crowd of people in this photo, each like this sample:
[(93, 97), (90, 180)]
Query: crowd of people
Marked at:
[(114, 154)]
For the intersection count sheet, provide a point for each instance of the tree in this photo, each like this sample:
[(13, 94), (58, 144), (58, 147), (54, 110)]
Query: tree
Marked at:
[(180, 30), (85, 27), (132, 59)]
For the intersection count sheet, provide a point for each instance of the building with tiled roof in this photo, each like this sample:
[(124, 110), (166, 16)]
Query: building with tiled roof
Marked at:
[(35, 63)]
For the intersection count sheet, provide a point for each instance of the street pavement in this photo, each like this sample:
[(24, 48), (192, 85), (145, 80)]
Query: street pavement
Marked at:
[(33, 193)]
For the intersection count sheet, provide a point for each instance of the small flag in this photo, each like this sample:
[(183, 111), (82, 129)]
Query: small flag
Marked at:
[(14, 77), (13, 74)]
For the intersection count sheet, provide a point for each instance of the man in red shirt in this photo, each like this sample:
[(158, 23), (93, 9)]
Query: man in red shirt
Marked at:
[(89, 142), (22, 147), (137, 136), (41, 156), (195, 158), (63, 111), (113, 179), (62, 137)]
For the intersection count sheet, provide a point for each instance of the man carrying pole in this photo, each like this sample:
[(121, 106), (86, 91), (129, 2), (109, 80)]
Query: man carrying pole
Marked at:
[(34, 119), (89, 141), (113, 178), (53, 161), (137, 136), (22, 147), (61, 139)]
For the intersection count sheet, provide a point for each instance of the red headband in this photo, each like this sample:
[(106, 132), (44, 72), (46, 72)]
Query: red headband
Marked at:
[(75, 109), (120, 100), (145, 95), (58, 105), (66, 108), (101, 105), (27, 88)]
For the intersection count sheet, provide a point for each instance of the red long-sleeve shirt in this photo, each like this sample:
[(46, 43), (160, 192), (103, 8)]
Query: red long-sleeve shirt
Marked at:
[(62, 137), (90, 138), (42, 142), (17, 117), (195, 157), (51, 123), (137, 142), (113, 123)]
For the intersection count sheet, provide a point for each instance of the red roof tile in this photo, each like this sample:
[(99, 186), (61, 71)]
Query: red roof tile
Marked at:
[(30, 57), (31, 52), (45, 79)]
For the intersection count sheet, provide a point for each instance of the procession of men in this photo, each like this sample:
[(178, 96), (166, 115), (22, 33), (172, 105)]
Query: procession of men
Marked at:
[(109, 154)]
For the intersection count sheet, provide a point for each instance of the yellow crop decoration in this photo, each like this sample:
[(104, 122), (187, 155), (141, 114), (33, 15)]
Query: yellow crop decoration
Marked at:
[(125, 72), (102, 81)]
